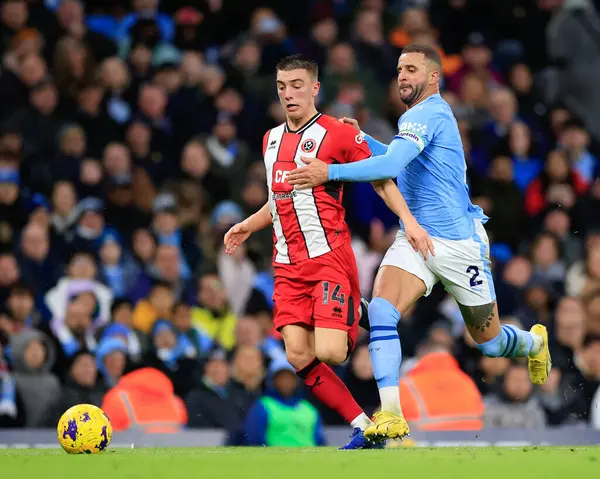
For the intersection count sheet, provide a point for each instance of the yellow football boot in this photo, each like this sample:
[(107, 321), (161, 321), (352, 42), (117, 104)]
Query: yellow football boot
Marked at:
[(387, 425), (540, 364)]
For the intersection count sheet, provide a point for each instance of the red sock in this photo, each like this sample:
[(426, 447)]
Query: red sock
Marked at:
[(329, 389)]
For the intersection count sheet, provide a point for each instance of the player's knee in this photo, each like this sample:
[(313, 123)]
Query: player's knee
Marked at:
[(299, 358), (382, 313), (332, 354)]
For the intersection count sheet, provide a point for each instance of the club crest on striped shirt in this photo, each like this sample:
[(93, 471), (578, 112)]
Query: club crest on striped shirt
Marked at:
[(308, 145)]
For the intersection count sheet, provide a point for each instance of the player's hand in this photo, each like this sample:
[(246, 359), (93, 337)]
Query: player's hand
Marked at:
[(419, 238), (236, 235), (314, 174), (351, 122)]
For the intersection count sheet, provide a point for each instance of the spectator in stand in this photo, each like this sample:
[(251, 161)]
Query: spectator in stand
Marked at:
[(80, 387), (33, 357), (592, 305), (323, 35), (478, 57), (584, 276), (248, 372), (12, 207), (569, 332), (214, 402), (343, 68), (491, 374), (503, 203), (536, 302), (369, 44), (111, 360), (64, 201), (80, 278), (21, 305), (558, 222), (558, 183), (412, 22), (578, 387), (182, 322), (164, 268), (159, 305), (9, 274), (546, 258), (266, 422), (526, 165), (576, 141), (174, 354), (73, 68), (515, 406), (38, 264), (12, 413), (212, 315), (529, 98), (117, 269)]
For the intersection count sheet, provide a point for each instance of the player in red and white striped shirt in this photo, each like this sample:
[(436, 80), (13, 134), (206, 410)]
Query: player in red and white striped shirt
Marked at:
[(317, 293)]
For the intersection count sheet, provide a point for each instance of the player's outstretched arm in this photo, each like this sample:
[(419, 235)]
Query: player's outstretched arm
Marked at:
[(399, 154), (240, 232), (381, 167), (416, 235)]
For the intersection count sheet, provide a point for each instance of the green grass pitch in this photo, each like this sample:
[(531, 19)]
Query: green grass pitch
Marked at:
[(263, 463)]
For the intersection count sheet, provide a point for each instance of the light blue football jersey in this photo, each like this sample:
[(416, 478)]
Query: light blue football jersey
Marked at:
[(434, 184)]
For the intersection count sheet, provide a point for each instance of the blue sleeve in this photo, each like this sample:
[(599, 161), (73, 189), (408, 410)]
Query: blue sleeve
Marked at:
[(255, 426), (414, 134), (376, 147), (320, 434), (399, 154)]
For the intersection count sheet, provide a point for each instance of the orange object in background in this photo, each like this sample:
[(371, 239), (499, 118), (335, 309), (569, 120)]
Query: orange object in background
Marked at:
[(144, 400), (436, 395)]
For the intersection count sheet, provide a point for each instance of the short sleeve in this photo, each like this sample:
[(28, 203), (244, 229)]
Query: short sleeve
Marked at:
[(356, 147), (420, 127)]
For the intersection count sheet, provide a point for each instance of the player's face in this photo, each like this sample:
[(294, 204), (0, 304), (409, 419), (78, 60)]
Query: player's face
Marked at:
[(414, 76), (297, 90)]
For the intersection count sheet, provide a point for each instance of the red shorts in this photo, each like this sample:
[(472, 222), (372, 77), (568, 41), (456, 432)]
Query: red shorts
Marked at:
[(321, 292)]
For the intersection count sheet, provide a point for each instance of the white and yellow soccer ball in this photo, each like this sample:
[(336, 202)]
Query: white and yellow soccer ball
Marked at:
[(84, 429)]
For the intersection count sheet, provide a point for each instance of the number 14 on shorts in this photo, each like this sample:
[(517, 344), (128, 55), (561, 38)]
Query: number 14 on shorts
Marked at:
[(335, 294)]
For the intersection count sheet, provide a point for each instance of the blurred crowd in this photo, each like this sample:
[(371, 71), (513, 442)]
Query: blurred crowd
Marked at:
[(130, 141)]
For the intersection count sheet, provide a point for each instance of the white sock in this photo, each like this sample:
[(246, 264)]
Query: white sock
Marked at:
[(361, 421), (538, 342), (390, 399)]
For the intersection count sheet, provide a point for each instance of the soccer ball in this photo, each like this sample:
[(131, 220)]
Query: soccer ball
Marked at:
[(84, 429)]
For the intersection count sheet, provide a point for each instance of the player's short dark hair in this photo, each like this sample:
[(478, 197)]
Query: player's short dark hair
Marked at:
[(428, 52), (298, 62)]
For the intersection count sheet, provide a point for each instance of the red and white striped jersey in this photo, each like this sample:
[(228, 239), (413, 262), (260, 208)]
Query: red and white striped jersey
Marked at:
[(308, 223)]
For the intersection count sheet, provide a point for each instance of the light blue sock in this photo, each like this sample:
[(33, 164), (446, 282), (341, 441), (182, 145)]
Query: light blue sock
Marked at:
[(384, 346), (512, 342)]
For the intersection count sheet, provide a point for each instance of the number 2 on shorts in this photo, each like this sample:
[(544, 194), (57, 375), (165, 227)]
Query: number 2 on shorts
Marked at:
[(335, 295), (474, 281)]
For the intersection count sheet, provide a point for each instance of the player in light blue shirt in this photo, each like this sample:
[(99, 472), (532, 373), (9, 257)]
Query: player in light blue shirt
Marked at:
[(426, 157)]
